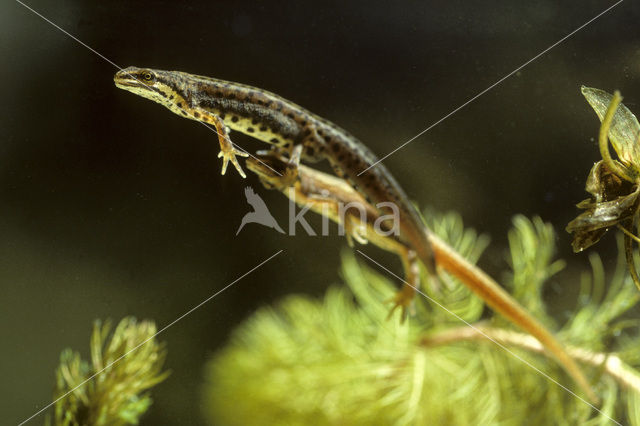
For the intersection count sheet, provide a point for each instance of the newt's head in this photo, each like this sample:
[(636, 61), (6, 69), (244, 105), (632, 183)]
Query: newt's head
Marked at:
[(159, 86)]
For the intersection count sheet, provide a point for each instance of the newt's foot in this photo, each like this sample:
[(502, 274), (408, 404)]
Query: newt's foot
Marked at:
[(402, 300), (229, 154)]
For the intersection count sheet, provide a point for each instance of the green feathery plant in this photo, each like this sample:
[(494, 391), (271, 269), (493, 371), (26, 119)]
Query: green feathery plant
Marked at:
[(117, 395), (339, 361)]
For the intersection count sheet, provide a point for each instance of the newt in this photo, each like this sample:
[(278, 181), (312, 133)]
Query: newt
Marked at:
[(288, 128)]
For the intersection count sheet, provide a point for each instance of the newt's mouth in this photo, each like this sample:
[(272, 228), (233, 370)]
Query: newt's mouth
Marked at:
[(124, 79)]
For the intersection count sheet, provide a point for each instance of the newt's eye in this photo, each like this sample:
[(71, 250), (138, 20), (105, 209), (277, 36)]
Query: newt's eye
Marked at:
[(147, 76)]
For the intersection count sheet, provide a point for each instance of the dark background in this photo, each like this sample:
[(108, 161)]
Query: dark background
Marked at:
[(110, 205)]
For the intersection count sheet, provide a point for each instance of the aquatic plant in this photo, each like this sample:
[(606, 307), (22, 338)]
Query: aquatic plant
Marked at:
[(112, 389), (339, 361), (613, 185)]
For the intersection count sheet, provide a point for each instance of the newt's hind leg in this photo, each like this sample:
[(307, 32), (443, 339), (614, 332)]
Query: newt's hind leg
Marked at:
[(404, 296)]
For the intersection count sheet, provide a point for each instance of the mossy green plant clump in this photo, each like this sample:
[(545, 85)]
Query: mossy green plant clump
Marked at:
[(112, 389), (339, 361)]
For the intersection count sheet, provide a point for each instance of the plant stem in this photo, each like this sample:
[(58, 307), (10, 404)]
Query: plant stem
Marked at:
[(609, 362)]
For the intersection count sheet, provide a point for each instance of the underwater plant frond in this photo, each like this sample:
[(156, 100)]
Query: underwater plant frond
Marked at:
[(531, 255), (116, 396), (599, 319), (621, 127), (628, 250), (603, 139)]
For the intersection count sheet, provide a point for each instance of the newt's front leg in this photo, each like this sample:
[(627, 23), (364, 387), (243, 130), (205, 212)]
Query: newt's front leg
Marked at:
[(227, 151)]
